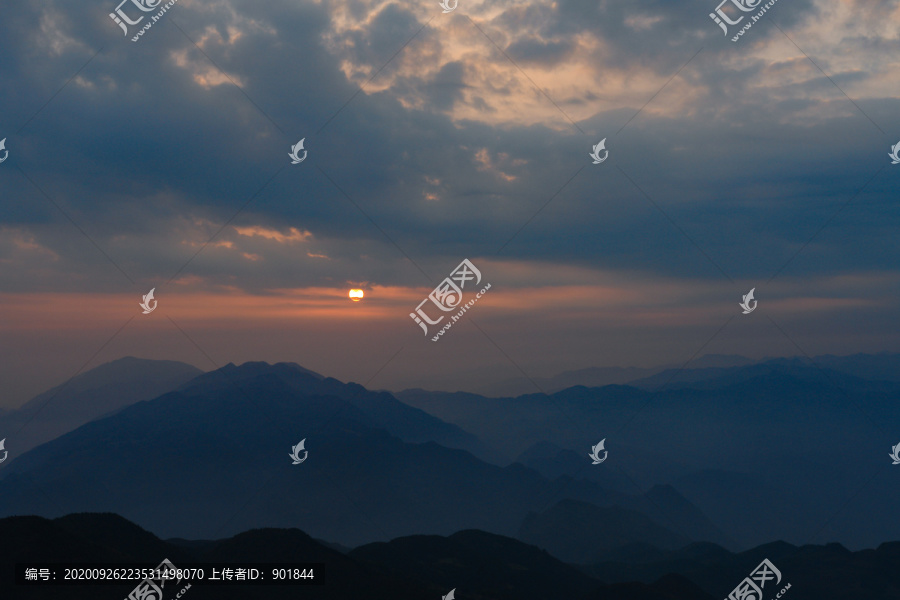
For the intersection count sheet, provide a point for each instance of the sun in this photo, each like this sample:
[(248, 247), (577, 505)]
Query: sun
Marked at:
[(356, 295)]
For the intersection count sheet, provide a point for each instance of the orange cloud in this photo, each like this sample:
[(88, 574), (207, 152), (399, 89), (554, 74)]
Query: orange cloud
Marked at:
[(295, 235)]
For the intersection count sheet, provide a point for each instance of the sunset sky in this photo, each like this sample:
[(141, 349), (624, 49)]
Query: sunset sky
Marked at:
[(164, 164)]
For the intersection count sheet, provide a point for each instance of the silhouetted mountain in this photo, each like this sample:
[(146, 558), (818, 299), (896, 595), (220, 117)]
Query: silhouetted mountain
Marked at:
[(384, 411), (91, 395), (213, 457)]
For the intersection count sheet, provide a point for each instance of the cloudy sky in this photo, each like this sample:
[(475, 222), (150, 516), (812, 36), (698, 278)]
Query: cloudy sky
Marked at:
[(434, 137)]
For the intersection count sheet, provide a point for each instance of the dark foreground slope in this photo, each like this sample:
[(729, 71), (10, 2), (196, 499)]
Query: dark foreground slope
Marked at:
[(817, 572), (480, 566)]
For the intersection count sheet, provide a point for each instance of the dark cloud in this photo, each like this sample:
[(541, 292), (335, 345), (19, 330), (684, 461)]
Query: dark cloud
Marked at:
[(155, 145)]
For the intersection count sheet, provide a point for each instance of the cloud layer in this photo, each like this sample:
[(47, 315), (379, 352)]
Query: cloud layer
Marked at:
[(433, 137)]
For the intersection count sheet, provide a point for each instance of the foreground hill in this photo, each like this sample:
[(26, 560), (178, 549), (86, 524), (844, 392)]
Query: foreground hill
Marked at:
[(478, 565), (110, 538), (829, 571)]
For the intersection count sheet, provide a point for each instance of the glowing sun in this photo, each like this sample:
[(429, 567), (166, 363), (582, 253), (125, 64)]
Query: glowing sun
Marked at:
[(356, 295)]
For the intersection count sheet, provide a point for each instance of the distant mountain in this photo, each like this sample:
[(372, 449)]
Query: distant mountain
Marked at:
[(661, 502), (590, 377), (513, 425), (884, 366), (871, 367), (601, 376), (721, 361), (91, 395), (769, 450)]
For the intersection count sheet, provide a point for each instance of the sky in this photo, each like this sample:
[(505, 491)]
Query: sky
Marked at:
[(433, 137)]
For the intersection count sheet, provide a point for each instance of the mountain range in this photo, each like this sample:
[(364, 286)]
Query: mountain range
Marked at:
[(786, 448), (211, 458), (475, 564), (735, 455)]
